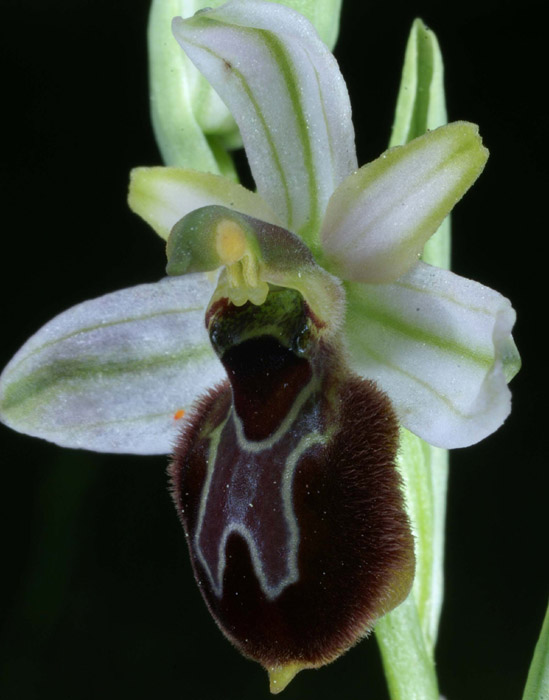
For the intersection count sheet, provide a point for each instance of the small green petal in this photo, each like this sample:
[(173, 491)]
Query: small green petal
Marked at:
[(162, 196), (381, 216)]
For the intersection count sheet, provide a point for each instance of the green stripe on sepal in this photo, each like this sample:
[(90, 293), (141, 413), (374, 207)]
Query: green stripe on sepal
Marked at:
[(438, 344)]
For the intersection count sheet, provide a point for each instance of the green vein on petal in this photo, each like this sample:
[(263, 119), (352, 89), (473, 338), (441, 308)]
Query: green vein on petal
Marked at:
[(45, 383), (361, 343)]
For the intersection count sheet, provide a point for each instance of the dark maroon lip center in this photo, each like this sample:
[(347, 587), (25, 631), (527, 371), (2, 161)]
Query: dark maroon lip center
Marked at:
[(266, 378)]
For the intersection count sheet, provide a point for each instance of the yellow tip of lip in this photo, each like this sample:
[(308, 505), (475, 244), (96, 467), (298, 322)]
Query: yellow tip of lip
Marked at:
[(280, 676), (230, 241)]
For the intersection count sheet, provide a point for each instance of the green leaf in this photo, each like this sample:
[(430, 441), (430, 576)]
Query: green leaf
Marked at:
[(191, 124), (409, 669), (421, 106), (424, 470), (537, 685)]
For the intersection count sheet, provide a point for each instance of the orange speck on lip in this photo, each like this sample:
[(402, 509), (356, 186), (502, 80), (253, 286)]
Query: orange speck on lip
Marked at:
[(179, 414)]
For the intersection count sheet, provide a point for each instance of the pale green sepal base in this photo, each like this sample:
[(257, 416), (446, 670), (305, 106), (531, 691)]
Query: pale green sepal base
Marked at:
[(537, 685), (437, 250), (408, 667)]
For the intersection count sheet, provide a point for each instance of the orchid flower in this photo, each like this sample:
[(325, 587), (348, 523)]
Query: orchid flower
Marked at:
[(324, 261)]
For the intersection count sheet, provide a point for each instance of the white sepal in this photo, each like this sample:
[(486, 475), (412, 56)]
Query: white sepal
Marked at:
[(288, 97), (115, 373), (441, 347)]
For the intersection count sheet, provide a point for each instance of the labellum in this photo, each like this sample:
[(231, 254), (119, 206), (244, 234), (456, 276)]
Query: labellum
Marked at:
[(284, 475)]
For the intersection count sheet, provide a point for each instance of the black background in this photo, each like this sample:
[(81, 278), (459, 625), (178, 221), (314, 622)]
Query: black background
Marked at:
[(99, 597)]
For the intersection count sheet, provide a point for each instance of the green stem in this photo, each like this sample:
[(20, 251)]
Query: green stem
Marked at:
[(409, 670)]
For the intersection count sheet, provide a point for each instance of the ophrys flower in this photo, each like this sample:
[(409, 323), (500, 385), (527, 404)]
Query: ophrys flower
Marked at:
[(118, 373)]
